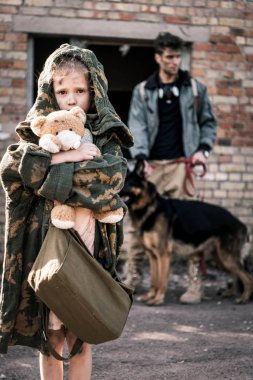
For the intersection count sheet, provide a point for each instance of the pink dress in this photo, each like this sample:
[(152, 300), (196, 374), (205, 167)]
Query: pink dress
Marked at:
[(85, 226)]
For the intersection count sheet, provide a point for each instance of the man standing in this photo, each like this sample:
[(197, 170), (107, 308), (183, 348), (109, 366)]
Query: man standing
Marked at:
[(171, 119)]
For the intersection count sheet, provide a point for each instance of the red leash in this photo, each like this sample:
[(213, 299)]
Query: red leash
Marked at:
[(189, 175), (188, 181)]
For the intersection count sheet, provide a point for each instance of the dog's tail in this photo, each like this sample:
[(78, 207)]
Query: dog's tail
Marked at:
[(246, 261), (245, 251)]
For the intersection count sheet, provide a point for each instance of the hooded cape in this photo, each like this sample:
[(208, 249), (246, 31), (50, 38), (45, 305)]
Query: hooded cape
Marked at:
[(31, 185)]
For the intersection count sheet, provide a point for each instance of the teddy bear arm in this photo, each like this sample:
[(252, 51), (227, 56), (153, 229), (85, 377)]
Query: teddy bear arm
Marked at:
[(110, 216), (63, 216)]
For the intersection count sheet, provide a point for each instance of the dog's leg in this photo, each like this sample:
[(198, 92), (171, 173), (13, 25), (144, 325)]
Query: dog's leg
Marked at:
[(156, 246), (162, 251), (247, 286), (153, 276), (231, 290), (233, 266), (162, 280), (152, 247)]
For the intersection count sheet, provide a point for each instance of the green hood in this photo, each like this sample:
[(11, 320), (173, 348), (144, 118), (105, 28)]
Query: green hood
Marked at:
[(105, 121)]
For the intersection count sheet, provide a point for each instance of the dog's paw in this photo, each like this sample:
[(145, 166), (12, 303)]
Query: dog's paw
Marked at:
[(240, 301), (245, 296), (146, 296), (155, 302), (229, 292)]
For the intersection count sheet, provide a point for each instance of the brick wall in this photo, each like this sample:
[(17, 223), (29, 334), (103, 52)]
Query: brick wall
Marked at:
[(223, 61), (229, 181)]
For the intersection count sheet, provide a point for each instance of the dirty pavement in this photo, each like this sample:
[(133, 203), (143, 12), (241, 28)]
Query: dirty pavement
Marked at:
[(209, 341)]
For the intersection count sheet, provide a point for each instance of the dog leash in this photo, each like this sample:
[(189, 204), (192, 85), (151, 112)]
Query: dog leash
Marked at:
[(188, 181), (190, 173)]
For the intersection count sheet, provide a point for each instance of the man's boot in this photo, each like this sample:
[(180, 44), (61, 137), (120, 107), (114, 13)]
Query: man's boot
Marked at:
[(134, 256), (195, 290), (134, 276)]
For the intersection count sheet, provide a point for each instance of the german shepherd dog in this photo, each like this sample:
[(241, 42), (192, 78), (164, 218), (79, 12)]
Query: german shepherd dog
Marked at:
[(185, 227)]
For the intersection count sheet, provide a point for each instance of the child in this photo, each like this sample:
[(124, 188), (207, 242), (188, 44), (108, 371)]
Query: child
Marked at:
[(33, 178)]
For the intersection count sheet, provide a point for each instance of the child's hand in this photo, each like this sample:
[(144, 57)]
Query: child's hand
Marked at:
[(86, 151)]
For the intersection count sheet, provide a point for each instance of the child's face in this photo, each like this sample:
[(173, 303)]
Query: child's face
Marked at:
[(71, 89)]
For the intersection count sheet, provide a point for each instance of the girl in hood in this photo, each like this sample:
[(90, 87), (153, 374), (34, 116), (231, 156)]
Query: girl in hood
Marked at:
[(33, 178)]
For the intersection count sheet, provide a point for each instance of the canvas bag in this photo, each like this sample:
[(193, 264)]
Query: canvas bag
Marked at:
[(84, 296)]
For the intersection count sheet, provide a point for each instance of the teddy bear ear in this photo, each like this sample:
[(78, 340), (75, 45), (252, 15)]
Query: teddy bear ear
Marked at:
[(36, 125), (78, 112)]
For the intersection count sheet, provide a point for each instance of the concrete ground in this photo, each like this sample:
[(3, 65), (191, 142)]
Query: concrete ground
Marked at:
[(209, 341)]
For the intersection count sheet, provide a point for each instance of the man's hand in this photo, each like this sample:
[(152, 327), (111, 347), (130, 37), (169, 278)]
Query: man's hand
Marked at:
[(198, 158)]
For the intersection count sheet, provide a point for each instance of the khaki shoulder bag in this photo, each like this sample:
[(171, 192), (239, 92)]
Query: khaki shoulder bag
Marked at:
[(84, 296)]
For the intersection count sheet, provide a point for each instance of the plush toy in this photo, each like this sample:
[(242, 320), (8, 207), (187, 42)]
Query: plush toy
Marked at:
[(64, 130)]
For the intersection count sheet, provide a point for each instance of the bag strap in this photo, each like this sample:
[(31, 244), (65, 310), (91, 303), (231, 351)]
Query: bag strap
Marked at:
[(195, 93), (75, 349), (142, 90)]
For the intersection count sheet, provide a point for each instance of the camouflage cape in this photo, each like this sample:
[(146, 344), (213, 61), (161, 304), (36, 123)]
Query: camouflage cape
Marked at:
[(31, 185)]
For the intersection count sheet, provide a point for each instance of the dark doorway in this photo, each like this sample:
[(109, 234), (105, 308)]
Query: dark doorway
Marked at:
[(124, 69)]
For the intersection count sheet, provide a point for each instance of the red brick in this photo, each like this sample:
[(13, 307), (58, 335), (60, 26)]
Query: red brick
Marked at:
[(249, 91), (203, 47), (224, 159), (228, 48), (5, 27), (219, 38), (223, 91), (225, 124), (220, 56), (237, 92), (230, 83), (22, 65), (176, 20), (249, 57), (8, 10), (5, 64), (248, 15), (18, 82), (126, 16), (238, 31), (20, 46), (16, 37), (237, 58), (248, 32)]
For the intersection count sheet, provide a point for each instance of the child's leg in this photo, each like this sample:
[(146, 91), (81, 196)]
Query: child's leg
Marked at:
[(80, 366), (51, 368)]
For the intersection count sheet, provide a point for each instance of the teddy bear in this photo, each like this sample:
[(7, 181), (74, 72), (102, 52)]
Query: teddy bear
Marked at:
[(60, 131)]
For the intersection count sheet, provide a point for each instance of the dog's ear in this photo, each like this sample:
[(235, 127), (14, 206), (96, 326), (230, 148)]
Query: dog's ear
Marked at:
[(139, 168)]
